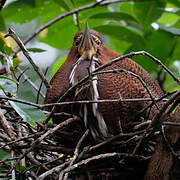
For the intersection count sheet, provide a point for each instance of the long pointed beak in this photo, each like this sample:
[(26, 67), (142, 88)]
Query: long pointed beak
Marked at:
[(87, 47)]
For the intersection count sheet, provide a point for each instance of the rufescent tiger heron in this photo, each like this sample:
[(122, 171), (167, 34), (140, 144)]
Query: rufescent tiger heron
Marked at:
[(109, 118)]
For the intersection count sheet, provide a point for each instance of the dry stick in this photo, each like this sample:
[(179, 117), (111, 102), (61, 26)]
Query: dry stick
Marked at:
[(2, 2), (20, 101), (40, 86), (105, 3), (121, 135), (157, 119), (98, 101), (22, 139), (171, 123), (41, 106), (6, 138), (53, 170), (6, 126), (101, 157), (53, 130), (48, 133), (12, 34), (76, 154)]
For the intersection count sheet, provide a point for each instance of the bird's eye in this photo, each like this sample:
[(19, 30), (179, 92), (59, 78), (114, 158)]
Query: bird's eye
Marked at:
[(98, 42), (77, 43)]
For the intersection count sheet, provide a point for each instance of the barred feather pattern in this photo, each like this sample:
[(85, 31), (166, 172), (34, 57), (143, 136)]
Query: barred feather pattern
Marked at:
[(79, 71)]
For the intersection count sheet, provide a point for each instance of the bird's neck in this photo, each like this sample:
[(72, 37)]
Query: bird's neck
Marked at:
[(105, 54)]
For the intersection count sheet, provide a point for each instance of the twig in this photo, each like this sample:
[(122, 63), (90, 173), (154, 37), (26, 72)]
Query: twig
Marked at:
[(53, 170), (157, 119), (99, 101), (101, 157), (76, 153), (26, 53), (2, 2), (51, 131), (20, 101), (6, 126), (40, 86), (171, 123)]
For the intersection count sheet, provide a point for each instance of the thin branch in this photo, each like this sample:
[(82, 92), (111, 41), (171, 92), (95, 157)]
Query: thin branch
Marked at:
[(53, 130), (99, 101), (6, 126), (157, 119), (40, 86), (101, 157), (2, 3), (12, 34), (76, 154), (20, 101)]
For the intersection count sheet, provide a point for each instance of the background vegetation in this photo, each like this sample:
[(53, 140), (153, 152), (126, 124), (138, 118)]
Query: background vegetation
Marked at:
[(153, 26)]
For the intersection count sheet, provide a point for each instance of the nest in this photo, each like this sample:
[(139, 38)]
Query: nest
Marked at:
[(67, 150)]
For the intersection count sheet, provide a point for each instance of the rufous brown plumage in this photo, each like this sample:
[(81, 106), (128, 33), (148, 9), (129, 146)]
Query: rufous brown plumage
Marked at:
[(109, 118)]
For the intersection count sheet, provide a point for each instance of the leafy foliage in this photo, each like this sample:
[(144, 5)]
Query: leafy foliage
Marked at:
[(153, 26)]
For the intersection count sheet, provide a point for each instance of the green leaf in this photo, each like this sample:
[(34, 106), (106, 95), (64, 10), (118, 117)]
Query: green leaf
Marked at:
[(16, 62), (148, 12), (175, 2), (120, 32), (29, 113), (59, 36), (2, 23), (3, 155), (160, 44), (113, 15), (8, 85), (58, 64), (20, 11), (7, 78), (127, 7), (63, 4), (168, 18), (38, 50)]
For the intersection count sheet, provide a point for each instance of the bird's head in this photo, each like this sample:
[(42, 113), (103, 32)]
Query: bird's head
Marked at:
[(87, 43)]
